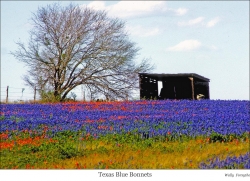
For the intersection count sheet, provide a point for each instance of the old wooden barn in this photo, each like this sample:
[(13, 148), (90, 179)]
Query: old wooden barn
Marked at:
[(174, 86)]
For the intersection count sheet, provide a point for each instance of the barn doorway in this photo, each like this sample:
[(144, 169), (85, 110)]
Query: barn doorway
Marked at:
[(173, 86), (159, 87)]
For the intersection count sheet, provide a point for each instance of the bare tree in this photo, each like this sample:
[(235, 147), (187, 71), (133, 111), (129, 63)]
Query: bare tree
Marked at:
[(71, 46)]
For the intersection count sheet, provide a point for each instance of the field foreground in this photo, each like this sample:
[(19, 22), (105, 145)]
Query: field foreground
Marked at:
[(126, 135)]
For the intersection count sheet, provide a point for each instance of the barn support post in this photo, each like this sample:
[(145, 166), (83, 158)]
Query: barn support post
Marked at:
[(192, 85), (7, 94), (35, 94), (84, 96)]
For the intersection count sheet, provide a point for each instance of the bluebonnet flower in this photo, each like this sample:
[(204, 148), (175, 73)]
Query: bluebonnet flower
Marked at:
[(184, 117)]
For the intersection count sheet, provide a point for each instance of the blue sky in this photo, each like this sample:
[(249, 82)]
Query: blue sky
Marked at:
[(209, 38)]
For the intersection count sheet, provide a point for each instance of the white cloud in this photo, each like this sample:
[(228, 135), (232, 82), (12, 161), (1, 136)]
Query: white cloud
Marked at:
[(213, 22), (181, 11), (200, 21), (129, 9), (192, 22), (97, 5), (142, 31), (187, 45), (136, 8), (212, 47)]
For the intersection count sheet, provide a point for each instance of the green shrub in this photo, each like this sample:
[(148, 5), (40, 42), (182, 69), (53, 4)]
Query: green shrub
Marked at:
[(49, 97)]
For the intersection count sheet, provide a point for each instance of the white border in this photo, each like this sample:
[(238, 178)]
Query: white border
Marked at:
[(94, 175)]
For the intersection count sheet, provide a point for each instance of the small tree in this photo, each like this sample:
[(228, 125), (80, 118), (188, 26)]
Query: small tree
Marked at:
[(71, 46)]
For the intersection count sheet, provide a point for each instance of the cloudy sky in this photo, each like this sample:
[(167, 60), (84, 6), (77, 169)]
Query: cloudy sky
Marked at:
[(209, 38)]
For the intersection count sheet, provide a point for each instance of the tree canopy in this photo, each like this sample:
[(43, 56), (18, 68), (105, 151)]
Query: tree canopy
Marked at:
[(71, 46)]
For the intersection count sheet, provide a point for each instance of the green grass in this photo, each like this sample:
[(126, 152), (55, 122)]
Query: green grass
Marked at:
[(67, 150)]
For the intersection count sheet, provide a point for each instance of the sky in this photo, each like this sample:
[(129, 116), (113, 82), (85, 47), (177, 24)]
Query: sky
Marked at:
[(209, 38)]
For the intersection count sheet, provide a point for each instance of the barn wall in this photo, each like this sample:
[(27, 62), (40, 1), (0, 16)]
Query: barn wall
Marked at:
[(148, 88), (173, 87), (167, 91), (177, 88)]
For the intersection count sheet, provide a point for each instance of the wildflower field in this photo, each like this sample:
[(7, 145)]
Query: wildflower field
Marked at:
[(156, 134)]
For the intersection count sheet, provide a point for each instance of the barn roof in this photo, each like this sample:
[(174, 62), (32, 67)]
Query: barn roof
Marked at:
[(162, 76)]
